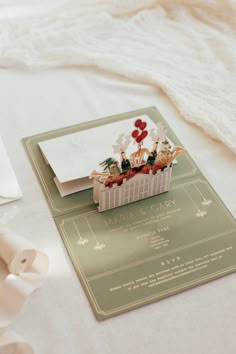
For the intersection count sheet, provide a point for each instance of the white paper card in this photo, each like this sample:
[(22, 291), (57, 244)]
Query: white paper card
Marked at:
[(9, 187)]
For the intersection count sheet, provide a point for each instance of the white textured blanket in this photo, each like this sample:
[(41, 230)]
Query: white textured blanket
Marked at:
[(186, 47)]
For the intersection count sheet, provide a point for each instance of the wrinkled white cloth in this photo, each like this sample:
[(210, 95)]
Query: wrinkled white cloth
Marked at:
[(187, 48), (22, 270)]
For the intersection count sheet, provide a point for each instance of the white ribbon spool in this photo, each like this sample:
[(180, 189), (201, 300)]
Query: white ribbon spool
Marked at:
[(22, 270), (11, 343)]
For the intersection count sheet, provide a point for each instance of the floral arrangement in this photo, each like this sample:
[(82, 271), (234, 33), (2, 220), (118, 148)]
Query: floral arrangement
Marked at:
[(142, 160)]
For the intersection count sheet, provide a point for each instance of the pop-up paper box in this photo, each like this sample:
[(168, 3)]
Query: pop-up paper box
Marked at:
[(145, 173)]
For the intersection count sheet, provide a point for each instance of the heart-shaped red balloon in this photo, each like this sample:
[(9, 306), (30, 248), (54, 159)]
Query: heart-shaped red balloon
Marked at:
[(143, 125), (135, 134), (143, 134), (139, 139), (137, 123)]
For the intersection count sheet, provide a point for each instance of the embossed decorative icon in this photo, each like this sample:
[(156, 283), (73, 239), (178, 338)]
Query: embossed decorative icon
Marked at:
[(200, 212), (204, 201)]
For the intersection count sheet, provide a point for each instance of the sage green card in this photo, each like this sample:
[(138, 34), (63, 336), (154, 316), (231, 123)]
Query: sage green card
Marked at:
[(142, 252)]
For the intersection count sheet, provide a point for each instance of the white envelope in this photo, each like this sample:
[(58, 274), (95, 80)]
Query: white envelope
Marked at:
[(9, 187), (73, 157)]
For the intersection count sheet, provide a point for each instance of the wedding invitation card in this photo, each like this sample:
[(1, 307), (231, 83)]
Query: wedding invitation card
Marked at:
[(138, 253)]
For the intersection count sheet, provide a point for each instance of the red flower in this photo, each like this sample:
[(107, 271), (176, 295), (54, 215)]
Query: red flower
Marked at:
[(119, 180), (157, 167), (130, 174), (146, 169)]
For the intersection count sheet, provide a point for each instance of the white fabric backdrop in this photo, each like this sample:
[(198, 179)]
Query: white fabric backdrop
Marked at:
[(57, 319)]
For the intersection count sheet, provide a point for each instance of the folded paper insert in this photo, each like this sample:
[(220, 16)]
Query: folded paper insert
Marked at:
[(73, 156), (145, 173)]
